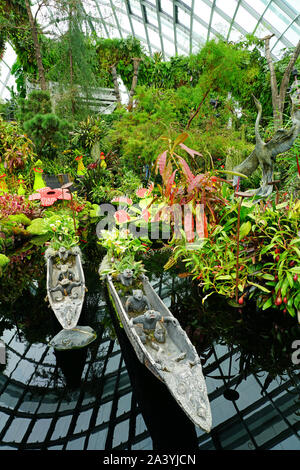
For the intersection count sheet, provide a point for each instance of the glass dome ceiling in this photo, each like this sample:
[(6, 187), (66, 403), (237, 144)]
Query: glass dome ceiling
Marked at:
[(179, 26)]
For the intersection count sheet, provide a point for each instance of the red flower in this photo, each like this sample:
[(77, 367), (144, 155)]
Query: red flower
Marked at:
[(48, 196)]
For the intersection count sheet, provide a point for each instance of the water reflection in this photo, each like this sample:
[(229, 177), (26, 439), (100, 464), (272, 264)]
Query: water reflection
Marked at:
[(101, 397), (168, 425)]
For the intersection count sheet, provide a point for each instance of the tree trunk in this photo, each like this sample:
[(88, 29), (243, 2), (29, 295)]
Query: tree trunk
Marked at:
[(115, 80), (278, 97), (136, 64), (71, 59), (37, 49)]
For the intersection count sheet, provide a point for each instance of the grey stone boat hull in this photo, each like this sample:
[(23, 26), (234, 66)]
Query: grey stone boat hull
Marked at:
[(66, 297), (176, 363)]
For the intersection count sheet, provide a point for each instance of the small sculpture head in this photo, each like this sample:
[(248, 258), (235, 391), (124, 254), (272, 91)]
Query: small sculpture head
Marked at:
[(151, 314), (127, 273), (137, 294)]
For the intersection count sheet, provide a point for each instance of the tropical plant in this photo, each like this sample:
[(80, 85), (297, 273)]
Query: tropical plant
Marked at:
[(257, 259), (48, 132), (16, 149), (183, 199)]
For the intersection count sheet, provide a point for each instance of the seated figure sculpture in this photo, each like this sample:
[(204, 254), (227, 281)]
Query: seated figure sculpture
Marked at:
[(126, 277), (137, 302), (152, 328), (65, 282)]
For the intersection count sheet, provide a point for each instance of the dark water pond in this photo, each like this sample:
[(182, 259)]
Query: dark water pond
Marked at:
[(101, 398)]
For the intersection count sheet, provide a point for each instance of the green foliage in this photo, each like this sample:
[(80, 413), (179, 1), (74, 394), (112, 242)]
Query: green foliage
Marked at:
[(102, 184), (89, 132), (16, 149), (121, 247), (287, 166), (46, 129), (137, 136), (267, 269), (20, 219), (119, 52), (4, 260)]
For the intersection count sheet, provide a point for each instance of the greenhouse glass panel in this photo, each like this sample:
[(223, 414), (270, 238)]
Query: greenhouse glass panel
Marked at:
[(200, 30), (219, 24), (151, 16), (167, 7), (135, 8), (184, 18), (258, 5), (292, 34), (245, 19), (202, 10), (227, 7)]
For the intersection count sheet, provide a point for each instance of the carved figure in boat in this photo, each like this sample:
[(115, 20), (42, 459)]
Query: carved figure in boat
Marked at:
[(65, 284), (137, 302), (150, 328), (160, 343), (126, 277)]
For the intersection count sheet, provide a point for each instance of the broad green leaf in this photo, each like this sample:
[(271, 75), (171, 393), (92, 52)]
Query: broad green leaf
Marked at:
[(291, 310), (269, 277), (181, 138), (267, 304), (295, 270), (245, 229), (290, 279), (284, 286), (296, 250), (264, 289), (232, 173)]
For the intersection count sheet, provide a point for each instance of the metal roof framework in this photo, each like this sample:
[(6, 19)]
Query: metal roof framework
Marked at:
[(182, 27)]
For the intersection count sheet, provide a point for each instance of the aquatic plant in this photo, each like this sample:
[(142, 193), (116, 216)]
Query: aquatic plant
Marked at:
[(268, 258)]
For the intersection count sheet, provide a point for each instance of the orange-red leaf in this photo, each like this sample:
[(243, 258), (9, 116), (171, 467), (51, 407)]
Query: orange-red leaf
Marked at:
[(186, 169)]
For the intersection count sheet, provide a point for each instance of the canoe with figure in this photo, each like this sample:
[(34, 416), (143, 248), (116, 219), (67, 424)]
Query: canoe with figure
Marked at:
[(66, 292), (160, 343)]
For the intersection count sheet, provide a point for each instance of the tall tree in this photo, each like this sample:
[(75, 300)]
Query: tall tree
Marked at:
[(37, 48), (279, 92)]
